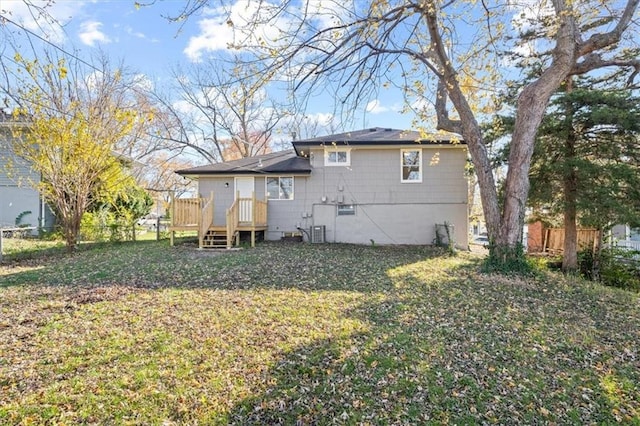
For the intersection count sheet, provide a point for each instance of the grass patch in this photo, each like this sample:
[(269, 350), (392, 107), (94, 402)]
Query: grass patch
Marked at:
[(316, 334)]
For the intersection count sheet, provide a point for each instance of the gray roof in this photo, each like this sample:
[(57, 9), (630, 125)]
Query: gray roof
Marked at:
[(273, 163), (380, 136), (293, 162)]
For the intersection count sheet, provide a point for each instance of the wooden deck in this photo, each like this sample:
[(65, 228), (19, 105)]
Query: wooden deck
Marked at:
[(197, 214)]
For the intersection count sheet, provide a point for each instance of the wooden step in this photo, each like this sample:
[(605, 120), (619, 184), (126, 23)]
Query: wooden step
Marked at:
[(215, 239)]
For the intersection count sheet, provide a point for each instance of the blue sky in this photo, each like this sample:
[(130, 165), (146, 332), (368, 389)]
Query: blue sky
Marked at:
[(148, 43)]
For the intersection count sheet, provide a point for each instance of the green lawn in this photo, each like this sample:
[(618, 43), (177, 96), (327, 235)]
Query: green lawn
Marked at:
[(310, 334)]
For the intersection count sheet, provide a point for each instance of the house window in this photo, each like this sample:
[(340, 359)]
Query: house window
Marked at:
[(280, 188), (411, 165), (337, 157), (346, 210)]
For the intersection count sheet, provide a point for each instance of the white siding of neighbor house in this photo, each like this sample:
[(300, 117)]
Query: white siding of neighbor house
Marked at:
[(16, 192), (387, 211)]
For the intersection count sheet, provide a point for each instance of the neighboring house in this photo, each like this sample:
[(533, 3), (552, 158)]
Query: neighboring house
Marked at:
[(372, 186), (18, 199), (625, 236)]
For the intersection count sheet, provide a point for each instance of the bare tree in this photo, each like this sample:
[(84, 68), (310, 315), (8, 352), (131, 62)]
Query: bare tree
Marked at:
[(455, 49), (224, 112)]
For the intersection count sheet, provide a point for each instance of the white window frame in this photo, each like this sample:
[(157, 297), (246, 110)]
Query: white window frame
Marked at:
[(328, 162), (350, 212), (402, 166), (266, 188)]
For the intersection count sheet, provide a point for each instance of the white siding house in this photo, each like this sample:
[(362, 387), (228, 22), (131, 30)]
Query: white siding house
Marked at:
[(18, 197), (381, 186)]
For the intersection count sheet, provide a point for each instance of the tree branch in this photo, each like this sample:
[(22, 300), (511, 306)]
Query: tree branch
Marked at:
[(602, 40), (444, 122), (595, 61)]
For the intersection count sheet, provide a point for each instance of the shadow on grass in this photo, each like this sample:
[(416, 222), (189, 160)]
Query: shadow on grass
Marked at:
[(435, 341), (462, 350)]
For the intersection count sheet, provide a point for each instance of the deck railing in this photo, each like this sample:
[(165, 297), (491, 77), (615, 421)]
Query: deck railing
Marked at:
[(233, 218), (186, 211), (260, 215), (198, 214), (628, 244), (252, 211), (206, 220)]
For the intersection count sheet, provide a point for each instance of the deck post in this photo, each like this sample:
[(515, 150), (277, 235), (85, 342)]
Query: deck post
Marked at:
[(213, 210), (199, 222), (173, 215), (253, 212)]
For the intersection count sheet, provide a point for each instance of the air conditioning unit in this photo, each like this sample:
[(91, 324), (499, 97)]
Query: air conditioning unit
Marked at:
[(317, 234)]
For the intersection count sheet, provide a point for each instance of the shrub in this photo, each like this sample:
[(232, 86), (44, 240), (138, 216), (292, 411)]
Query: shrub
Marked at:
[(620, 268)]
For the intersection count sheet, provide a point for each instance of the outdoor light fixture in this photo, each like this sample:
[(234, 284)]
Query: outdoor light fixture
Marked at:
[(226, 184)]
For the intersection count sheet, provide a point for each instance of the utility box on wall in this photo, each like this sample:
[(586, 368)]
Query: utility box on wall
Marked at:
[(317, 234)]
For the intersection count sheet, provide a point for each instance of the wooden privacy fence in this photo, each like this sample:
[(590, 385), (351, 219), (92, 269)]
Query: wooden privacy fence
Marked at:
[(588, 239)]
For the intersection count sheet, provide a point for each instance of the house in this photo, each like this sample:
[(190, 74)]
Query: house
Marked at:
[(20, 202), (626, 236), (372, 186)]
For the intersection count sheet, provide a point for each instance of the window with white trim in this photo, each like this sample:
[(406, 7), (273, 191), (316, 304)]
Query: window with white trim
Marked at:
[(346, 209), (337, 157), (280, 188), (411, 164)]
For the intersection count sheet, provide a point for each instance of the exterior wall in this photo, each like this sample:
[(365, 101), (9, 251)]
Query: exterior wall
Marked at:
[(223, 188), (620, 232), (16, 200), (288, 215), (283, 215), (16, 193), (392, 223), (387, 211)]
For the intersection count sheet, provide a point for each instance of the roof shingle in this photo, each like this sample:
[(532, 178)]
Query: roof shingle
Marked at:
[(272, 163)]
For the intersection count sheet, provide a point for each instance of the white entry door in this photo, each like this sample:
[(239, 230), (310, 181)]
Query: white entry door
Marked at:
[(245, 187)]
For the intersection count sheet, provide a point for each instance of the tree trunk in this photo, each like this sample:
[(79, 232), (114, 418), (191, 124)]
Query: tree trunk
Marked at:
[(570, 183), (570, 247), (531, 106), (505, 228)]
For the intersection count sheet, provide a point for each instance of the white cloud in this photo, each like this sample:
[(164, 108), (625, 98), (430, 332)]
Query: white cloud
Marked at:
[(134, 33), (375, 107), (259, 23), (324, 119), (94, 79), (327, 12), (529, 14), (90, 33), (423, 106), (143, 82), (47, 21), (242, 23)]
